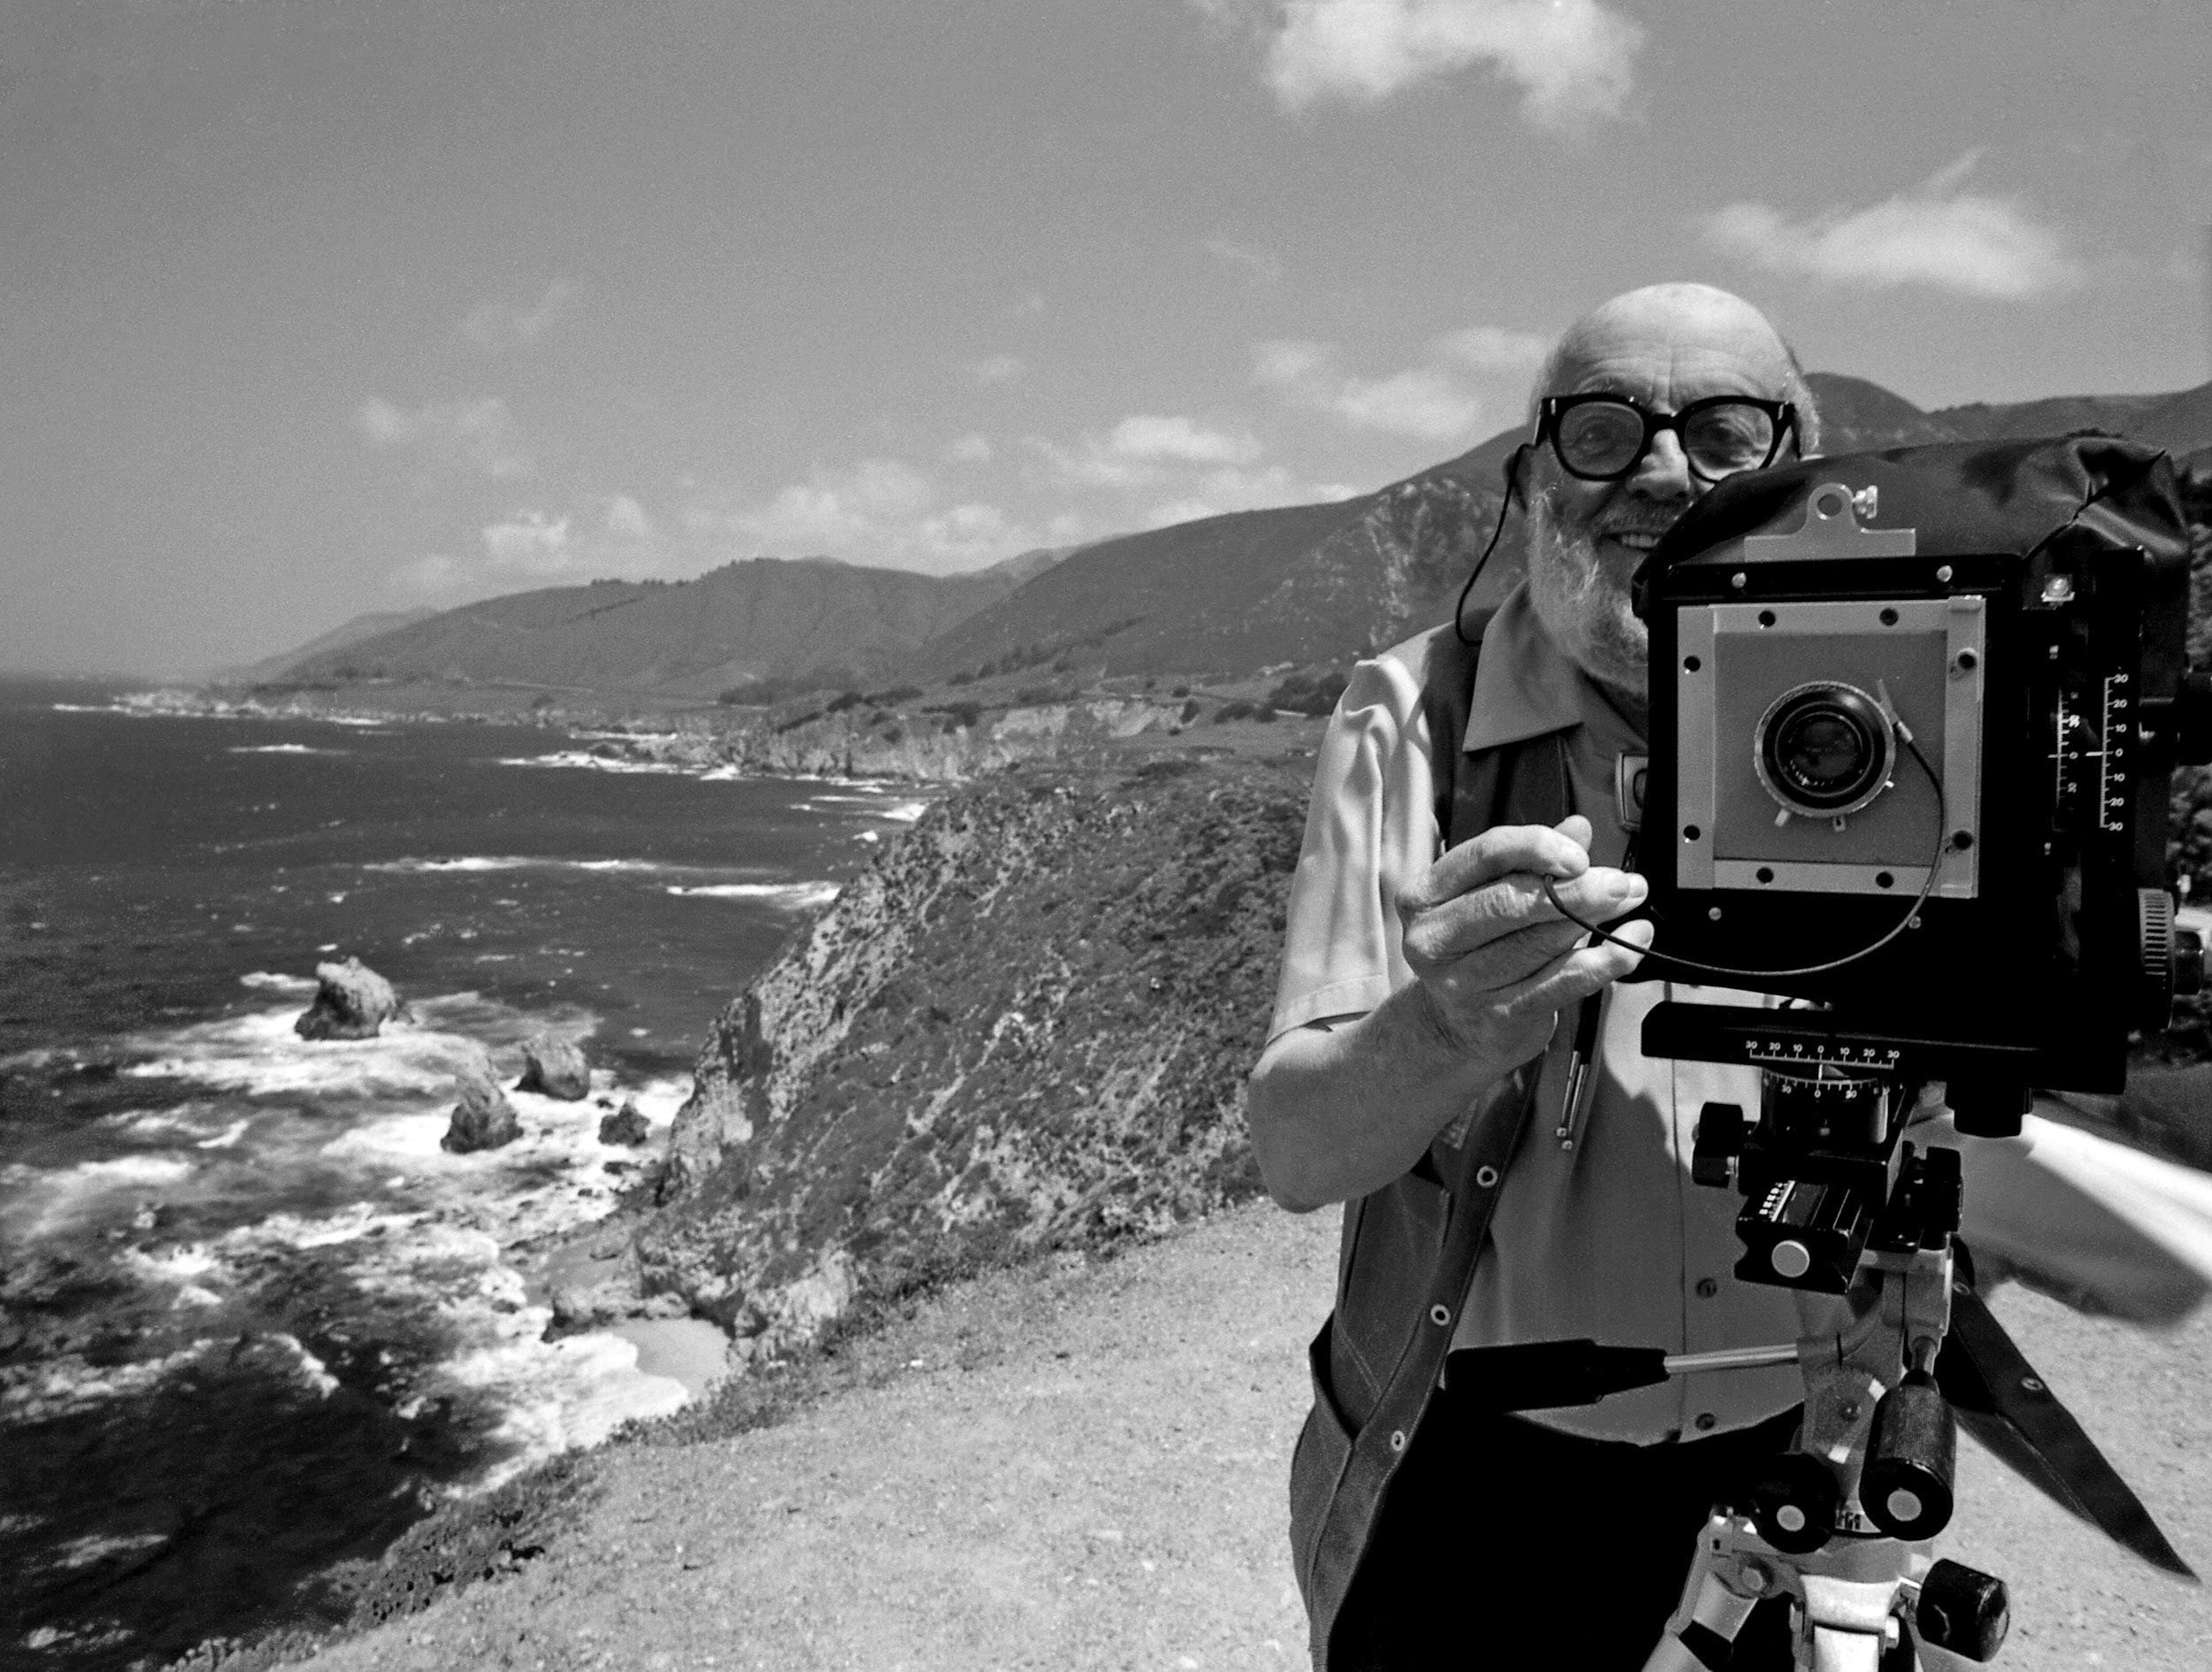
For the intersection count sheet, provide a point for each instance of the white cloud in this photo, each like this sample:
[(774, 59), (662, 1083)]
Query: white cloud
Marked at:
[(997, 370), (1496, 350), (1443, 399), (1572, 60), (1143, 450), (1938, 234), (507, 324), (536, 547), (479, 433), (1261, 265), (627, 519), (971, 450), (1145, 436), (432, 575), (532, 545), (879, 511)]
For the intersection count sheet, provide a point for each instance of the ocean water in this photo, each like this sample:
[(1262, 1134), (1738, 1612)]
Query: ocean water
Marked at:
[(253, 1319)]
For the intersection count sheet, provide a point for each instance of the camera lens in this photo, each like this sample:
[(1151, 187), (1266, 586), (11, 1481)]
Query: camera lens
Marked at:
[(1823, 749)]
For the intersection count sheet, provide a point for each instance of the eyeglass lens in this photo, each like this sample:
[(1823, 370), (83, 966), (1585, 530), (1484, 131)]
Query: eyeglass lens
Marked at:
[(1606, 438)]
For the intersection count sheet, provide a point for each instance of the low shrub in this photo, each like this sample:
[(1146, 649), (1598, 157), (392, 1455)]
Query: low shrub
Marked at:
[(1308, 692)]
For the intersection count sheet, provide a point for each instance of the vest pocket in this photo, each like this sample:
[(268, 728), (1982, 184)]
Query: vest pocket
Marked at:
[(1317, 1465)]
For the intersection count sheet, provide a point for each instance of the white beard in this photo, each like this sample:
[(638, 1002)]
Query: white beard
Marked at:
[(1583, 603)]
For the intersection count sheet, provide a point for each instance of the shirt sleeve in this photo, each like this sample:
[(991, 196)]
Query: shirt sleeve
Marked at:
[(1371, 828), (2104, 1228)]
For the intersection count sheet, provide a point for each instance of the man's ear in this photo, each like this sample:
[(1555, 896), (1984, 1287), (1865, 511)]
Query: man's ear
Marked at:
[(1515, 488)]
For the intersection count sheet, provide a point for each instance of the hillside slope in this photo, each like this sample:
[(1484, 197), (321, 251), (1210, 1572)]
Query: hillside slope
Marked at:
[(1025, 1027), (742, 622), (350, 632), (1295, 586)]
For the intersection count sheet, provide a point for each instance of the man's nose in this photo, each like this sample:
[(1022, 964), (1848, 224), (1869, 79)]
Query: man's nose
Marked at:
[(1664, 472)]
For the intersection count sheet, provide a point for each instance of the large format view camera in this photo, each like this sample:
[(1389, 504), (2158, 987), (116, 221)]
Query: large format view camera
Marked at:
[(1914, 720), (1914, 717)]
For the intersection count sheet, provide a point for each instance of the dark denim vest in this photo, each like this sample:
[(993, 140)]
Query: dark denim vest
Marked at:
[(1409, 1248)]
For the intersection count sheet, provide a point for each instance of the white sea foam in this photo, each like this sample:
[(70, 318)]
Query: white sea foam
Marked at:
[(471, 863), (905, 812), (259, 1054), (793, 897), (583, 760), (279, 748), (560, 1394), (474, 861), (66, 1385), (270, 981), (80, 1552), (423, 1227)]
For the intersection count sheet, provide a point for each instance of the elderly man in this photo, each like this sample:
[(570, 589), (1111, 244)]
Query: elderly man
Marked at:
[(1417, 1033)]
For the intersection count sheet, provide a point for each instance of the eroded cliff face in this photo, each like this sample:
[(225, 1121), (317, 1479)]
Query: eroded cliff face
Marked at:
[(1400, 567), (1027, 1027)]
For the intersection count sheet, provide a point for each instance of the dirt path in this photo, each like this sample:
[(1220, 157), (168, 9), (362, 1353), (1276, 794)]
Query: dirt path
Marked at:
[(1086, 1469)]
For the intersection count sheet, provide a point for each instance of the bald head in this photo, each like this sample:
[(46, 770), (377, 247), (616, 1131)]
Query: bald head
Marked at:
[(1665, 337)]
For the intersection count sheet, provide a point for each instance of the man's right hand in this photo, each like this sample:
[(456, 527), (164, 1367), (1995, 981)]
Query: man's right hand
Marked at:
[(1495, 961)]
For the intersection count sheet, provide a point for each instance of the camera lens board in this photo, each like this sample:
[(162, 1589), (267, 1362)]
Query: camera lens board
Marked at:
[(1799, 784)]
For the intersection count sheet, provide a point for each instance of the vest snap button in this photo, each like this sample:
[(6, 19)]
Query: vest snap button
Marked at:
[(1397, 1440), (1440, 1315), (1486, 1177)]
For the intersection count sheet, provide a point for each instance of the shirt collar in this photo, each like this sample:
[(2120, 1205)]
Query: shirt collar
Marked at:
[(1524, 686)]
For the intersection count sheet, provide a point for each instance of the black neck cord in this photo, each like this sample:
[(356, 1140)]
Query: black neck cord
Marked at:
[(1911, 917), (1512, 481)]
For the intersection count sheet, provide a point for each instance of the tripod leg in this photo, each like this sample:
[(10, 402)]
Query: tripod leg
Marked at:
[(1850, 1621), (1705, 1623)]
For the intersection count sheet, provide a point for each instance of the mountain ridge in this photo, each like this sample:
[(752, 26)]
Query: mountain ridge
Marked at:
[(1231, 596)]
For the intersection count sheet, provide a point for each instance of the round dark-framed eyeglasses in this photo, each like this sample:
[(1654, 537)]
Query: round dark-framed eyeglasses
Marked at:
[(1603, 438)]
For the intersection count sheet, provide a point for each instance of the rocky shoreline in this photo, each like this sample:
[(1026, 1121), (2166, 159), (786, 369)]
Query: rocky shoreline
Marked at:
[(1020, 1033), (948, 741)]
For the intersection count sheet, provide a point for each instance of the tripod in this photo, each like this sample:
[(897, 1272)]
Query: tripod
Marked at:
[(1842, 1525), (1837, 1203)]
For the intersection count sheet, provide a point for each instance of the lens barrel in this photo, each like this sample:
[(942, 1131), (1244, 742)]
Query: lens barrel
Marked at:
[(1823, 750)]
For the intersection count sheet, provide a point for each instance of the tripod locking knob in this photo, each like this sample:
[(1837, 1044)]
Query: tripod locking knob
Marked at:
[(1906, 1485), (1962, 1610), (1721, 1130), (1793, 1505)]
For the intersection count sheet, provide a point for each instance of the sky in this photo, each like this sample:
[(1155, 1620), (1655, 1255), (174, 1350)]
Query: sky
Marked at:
[(316, 309)]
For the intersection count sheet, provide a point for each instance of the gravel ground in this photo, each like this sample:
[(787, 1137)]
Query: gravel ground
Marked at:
[(1084, 1467)]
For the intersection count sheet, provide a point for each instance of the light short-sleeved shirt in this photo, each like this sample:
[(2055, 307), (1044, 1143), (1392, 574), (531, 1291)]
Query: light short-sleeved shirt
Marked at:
[(1604, 1235)]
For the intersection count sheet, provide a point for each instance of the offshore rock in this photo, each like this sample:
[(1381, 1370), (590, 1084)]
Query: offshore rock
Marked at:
[(483, 1119), (352, 1001), (1025, 1027), (625, 1126), (554, 1067)]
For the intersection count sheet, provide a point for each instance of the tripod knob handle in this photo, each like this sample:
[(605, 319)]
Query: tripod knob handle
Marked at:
[(1962, 1610), (1906, 1485), (1793, 1505)]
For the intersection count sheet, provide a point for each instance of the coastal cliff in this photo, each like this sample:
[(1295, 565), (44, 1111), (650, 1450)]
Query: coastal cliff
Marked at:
[(1026, 1027), (950, 743)]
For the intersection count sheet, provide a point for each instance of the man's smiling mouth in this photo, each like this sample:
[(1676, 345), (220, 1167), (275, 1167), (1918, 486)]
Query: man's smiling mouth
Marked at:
[(1634, 539)]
